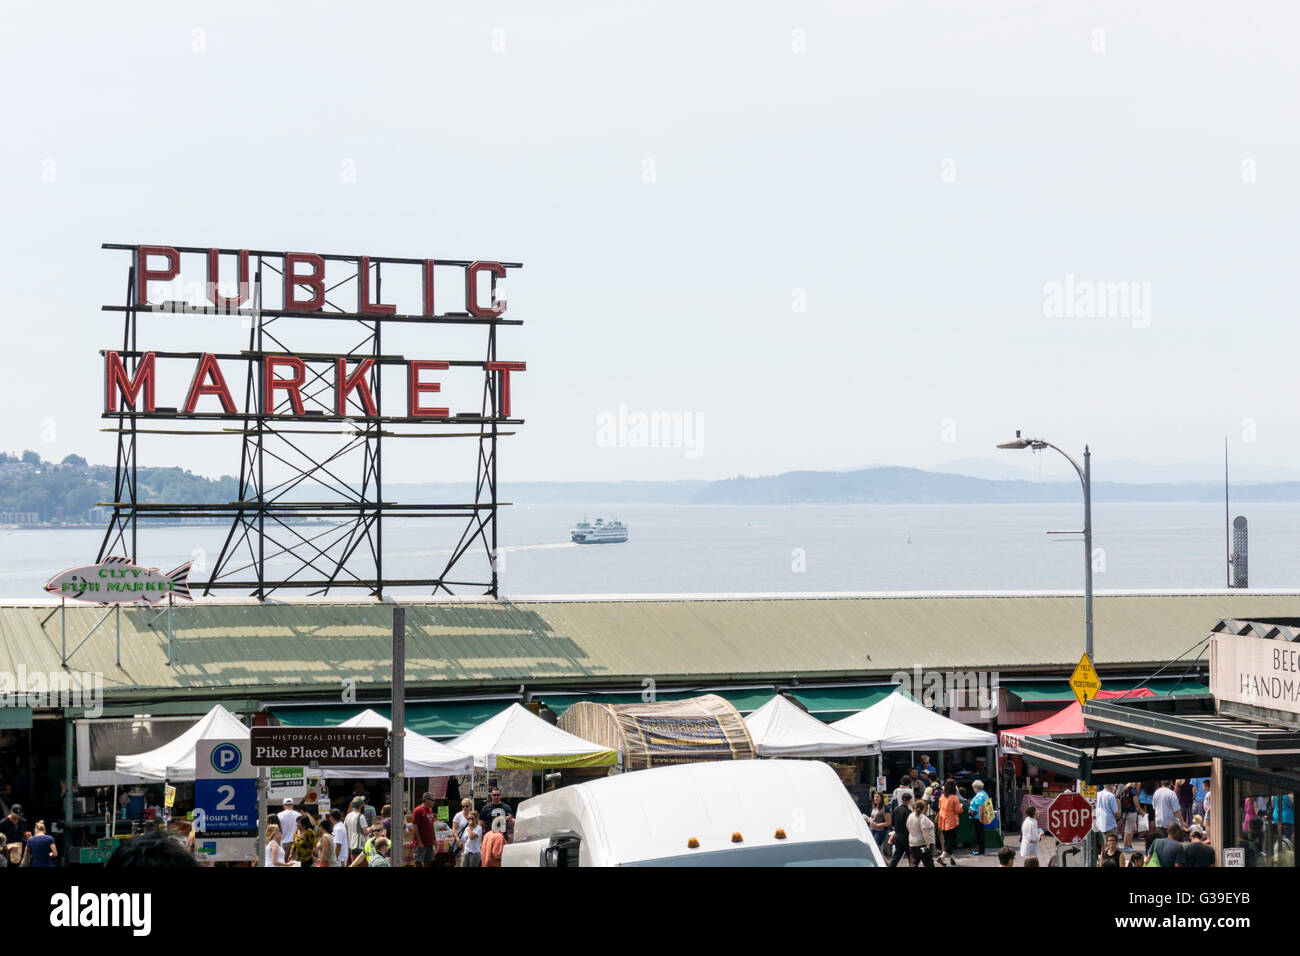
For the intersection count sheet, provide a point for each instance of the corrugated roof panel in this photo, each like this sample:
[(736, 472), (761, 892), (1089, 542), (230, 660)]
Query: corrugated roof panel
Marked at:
[(300, 645)]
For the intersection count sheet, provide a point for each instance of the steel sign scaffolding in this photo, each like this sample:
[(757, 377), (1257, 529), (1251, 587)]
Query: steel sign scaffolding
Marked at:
[(310, 517)]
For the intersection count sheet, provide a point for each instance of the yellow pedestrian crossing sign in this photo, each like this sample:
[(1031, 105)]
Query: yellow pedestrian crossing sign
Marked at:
[(1084, 681)]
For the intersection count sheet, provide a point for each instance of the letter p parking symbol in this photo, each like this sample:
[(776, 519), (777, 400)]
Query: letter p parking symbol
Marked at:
[(226, 758)]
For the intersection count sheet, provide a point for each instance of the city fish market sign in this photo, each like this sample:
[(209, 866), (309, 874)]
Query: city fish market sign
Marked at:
[(117, 580)]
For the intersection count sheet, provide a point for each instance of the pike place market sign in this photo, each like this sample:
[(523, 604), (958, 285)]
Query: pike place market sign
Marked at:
[(1257, 672)]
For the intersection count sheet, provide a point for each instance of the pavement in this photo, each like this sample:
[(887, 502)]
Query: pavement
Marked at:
[(966, 860)]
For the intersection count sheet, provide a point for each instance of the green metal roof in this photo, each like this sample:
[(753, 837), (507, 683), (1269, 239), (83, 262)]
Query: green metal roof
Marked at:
[(430, 719), (1060, 692), (229, 648), (745, 701)]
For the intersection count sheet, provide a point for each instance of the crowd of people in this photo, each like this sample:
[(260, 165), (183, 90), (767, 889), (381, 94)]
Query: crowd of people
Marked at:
[(922, 815), (363, 837)]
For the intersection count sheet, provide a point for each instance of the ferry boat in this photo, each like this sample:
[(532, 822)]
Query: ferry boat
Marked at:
[(601, 532)]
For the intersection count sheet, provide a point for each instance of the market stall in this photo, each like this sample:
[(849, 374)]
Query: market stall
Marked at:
[(899, 722), (781, 728), (422, 757), (516, 739), (174, 760), (667, 732), (1065, 722)]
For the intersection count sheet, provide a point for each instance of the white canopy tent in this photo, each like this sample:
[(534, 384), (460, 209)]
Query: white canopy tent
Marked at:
[(520, 740), (175, 760), (899, 722), (422, 757), (780, 728)]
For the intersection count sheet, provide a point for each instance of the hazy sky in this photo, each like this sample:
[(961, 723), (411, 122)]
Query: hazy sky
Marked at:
[(826, 232)]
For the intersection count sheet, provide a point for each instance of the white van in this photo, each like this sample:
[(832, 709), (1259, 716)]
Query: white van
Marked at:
[(723, 813)]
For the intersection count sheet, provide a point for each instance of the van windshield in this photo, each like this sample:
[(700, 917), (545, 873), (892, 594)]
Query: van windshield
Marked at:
[(821, 853)]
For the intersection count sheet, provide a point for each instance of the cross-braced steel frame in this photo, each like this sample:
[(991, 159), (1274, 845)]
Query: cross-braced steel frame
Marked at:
[(317, 523)]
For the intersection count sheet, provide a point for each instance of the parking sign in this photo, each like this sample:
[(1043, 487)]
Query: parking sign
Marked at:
[(225, 788)]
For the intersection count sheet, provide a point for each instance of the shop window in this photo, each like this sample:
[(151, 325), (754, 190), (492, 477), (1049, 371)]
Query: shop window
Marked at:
[(1263, 824)]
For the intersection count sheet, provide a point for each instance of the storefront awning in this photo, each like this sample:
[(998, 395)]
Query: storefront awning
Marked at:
[(1112, 762), (1059, 692), (435, 720), (1234, 739)]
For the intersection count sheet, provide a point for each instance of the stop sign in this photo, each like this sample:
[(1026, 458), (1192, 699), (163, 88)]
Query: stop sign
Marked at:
[(1069, 818)]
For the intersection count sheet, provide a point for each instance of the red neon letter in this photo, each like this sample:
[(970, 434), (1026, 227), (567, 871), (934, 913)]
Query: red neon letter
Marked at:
[(199, 385), (222, 302), (116, 380), (315, 281), (144, 275), (291, 385), (364, 305), (504, 369), (415, 388), (428, 287), (345, 383), (471, 287)]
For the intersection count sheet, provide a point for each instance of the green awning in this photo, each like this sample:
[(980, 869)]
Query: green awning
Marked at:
[(15, 718), (1058, 692), (430, 719), (835, 703)]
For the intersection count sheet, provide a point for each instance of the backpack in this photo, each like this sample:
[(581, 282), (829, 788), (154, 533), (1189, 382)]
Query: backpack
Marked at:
[(1126, 802)]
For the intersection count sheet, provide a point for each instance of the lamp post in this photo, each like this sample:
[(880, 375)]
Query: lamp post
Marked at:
[(1085, 476)]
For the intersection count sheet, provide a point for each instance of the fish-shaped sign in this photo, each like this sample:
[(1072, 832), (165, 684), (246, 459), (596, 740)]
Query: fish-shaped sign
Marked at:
[(118, 580)]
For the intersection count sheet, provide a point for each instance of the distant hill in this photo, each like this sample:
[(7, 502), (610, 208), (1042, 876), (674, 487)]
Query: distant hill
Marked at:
[(889, 485), (64, 492)]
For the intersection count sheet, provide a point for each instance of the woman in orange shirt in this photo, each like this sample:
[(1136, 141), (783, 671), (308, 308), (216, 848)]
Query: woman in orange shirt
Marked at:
[(949, 815)]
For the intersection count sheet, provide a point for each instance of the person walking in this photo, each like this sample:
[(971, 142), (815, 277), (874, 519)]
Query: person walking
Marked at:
[(1165, 804), (354, 824), (1111, 851), (1128, 814), (41, 850), (1107, 814), (458, 824), (473, 841), (339, 834), (1030, 834), (323, 855), (1168, 849), (1186, 794), (977, 814), (949, 817), (274, 849), (304, 841), (1198, 853), (494, 843), (878, 819), (288, 821), (920, 836), (900, 817), (425, 831)]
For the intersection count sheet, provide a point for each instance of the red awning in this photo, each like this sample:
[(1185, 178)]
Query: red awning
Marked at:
[(1063, 722)]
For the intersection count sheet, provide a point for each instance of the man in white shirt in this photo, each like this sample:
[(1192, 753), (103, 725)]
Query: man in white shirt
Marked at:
[(1106, 820), (1165, 805), (288, 819), (340, 835)]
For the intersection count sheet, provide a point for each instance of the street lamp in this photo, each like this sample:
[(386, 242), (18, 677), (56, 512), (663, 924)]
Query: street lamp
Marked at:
[(1085, 476)]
